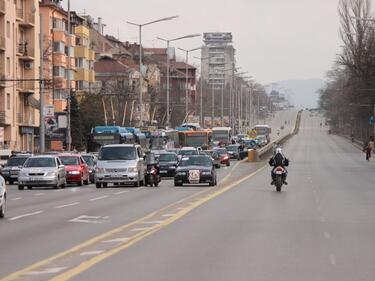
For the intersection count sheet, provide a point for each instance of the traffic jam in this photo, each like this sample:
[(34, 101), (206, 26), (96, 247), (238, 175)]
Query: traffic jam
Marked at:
[(123, 157)]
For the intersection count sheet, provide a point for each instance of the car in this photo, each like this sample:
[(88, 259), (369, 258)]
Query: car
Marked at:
[(90, 160), (42, 171), (234, 151), (168, 162), (13, 166), (187, 151), (216, 159), (120, 164), (224, 156), (251, 144), (262, 140), (77, 171), (3, 197), (195, 169)]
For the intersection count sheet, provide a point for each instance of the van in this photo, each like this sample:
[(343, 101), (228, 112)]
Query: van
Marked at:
[(120, 164)]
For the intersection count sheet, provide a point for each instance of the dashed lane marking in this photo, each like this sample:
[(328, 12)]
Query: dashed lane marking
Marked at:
[(99, 198), (117, 240), (16, 199), (47, 271), (152, 222), (169, 215), (140, 229), (122, 192), (25, 215), (67, 205), (91, 253), (39, 194)]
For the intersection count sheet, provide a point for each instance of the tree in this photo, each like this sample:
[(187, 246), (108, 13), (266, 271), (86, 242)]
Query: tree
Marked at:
[(76, 123)]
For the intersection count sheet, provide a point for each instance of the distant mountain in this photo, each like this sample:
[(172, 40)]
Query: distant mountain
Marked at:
[(301, 92)]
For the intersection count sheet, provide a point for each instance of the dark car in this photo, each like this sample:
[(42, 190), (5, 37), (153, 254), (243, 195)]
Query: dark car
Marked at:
[(224, 156), (195, 169), (168, 162), (90, 160), (215, 156), (13, 166), (251, 144), (235, 151)]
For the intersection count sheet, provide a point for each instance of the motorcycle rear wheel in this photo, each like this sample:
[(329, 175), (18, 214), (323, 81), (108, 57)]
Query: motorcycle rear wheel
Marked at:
[(278, 184)]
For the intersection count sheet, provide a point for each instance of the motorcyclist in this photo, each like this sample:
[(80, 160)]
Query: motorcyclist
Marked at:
[(277, 160)]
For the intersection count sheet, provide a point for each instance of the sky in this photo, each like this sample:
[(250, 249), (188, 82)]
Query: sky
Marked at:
[(274, 39)]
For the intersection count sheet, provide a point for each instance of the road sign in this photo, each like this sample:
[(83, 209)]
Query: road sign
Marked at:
[(49, 110), (372, 120)]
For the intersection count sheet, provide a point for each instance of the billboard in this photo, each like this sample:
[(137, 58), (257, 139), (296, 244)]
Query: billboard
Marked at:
[(55, 127), (207, 122)]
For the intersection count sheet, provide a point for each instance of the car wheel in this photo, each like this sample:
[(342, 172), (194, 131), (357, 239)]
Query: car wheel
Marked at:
[(63, 185), (218, 166), (11, 182), (98, 185), (3, 208), (21, 187), (156, 184), (228, 164), (29, 187), (105, 185), (176, 183), (137, 183)]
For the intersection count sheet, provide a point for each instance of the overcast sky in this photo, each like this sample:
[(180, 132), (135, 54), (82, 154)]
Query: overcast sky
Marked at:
[(275, 39)]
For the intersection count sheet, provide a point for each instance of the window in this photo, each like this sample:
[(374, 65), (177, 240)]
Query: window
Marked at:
[(60, 94), (59, 71), (8, 65), (59, 47), (8, 29), (82, 63), (69, 51), (8, 101), (59, 24), (70, 73)]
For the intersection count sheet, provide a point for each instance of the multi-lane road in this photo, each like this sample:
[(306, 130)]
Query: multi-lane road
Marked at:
[(321, 227)]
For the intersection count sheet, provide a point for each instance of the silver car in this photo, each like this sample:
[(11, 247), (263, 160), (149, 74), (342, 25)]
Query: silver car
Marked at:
[(3, 197), (120, 164), (42, 170)]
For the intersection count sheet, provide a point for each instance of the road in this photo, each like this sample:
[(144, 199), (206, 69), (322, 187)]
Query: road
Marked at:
[(321, 227)]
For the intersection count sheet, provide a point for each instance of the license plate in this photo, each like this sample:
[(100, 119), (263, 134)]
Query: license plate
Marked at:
[(36, 179), (194, 181), (163, 172), (194, 176)]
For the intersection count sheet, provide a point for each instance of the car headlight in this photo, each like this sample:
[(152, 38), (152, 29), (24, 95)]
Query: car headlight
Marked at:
[(181, 173), (51, 174), (90, 171), (99, 170), (133, 170), (206, 173), (75, 172), (172, 167)]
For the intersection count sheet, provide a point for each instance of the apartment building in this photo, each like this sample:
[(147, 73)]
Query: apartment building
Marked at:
[(220, 52), (19, 74)]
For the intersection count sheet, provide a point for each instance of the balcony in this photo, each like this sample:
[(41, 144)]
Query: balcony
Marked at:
[(2, 7), (28, 21), (26, 87), (3, 118), (2, 43), (25, 52), (81, 52), (19, 14), (82, 31)]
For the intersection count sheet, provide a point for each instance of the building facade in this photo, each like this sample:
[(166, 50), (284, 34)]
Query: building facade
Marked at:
[(19, 74), (217, 69)]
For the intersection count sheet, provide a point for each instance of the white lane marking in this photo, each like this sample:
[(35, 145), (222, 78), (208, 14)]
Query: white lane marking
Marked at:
[(140, 229), (39, 194), (99, 198), (91, 253), (117, 240), (332, 259), (169, 215), (327, 235), (122, 192), (90, 219), (47, 271), (139, 188), (152, 222), (60, 190), (67, 205), (18, 198), (75, 189), (25, 215)]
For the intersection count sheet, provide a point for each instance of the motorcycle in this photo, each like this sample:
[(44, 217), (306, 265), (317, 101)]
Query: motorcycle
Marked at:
[(280, 175), (152, 176)]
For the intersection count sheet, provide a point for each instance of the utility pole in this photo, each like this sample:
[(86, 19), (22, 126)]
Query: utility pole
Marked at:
[(212, 105), (69, 130), (41, 91)]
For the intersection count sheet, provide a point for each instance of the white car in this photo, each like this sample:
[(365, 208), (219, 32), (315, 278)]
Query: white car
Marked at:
[(187, 151), (3, 196)]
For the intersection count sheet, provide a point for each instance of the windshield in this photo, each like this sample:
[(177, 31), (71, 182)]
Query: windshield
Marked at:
[(232, 148), (188, 152), (167, 157), (69, 160), (221, 151), (196, 161), (16, 161), (89, 160), (118, 153), (40, 162), (196, 140)]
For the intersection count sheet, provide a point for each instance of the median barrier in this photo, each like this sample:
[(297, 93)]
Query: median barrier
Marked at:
[(252, 155)]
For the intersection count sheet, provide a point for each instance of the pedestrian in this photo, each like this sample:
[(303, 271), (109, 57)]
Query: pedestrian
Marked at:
[(369, 148)]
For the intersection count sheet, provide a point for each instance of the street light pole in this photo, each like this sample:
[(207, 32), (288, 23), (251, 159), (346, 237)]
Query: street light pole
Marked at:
[(69, 129), (187, 79), (201, 90), (168, 69), (140, 62)]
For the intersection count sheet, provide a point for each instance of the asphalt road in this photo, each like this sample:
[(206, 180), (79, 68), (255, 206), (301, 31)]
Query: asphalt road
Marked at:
[(321, 227)]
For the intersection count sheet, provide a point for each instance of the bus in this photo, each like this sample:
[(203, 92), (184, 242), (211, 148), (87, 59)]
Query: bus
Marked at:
[(263, 130), (222, 134), (139, 137), (195, 138), (164, 139), (104, 135)]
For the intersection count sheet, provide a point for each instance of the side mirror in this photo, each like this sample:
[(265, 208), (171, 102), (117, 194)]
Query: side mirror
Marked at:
[(61, 166)]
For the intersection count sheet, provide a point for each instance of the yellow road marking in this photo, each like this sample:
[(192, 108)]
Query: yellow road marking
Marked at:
[(89, 263)]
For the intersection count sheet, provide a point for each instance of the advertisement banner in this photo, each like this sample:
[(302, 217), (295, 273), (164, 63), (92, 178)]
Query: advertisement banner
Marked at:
[(193, 119), (207, 122), (217, 122), (226, 121), (55, 127)]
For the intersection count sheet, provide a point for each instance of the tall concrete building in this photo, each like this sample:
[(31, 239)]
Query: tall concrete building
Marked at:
[(19, 74), (220, 54)]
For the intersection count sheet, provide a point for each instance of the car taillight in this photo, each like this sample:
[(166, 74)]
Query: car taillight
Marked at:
[(279, 169)]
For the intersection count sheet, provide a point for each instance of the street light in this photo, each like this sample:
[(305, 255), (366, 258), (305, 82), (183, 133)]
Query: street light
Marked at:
[(201, 90), (140, 59), (187, 78), (168, 66)]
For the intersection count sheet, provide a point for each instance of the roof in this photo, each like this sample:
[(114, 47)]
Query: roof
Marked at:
[(155, 51), (182, 65), (108, 64), (44, 156), (69, 155)]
